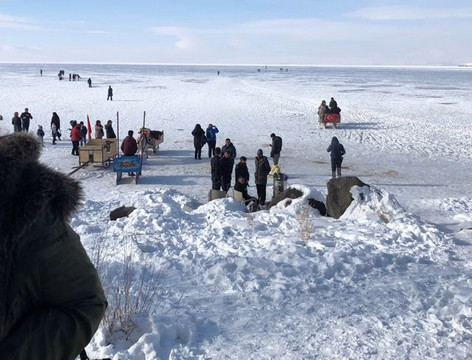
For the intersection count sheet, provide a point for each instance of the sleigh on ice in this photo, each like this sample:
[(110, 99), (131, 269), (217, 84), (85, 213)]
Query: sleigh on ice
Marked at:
[(332, 119), (149, 140), (98, 151)]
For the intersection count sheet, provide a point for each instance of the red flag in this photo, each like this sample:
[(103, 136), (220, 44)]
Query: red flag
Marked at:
[(89, 127)]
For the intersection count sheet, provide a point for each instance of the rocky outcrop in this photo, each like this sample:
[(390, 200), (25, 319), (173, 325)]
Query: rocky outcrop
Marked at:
[(122, 211), (339, 196), (290, 193)]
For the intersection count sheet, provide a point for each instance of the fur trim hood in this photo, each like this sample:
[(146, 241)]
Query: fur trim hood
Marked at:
[(28, 188)]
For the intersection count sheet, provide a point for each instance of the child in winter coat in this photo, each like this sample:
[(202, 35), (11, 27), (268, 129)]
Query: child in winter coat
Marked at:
[(40, 133), (83, 132)]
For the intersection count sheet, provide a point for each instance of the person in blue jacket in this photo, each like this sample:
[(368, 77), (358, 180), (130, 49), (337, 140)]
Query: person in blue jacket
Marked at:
[(211, 132)]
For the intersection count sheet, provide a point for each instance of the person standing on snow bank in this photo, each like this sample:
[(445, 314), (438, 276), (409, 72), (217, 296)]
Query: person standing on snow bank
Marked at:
[(337, 151), (226, 170), (216, 170), (229, 146), (241, 170), (51, 298), (260, 176), (276, 148)]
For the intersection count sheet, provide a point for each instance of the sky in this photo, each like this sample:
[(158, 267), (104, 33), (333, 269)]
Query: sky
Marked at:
[(313, 32)]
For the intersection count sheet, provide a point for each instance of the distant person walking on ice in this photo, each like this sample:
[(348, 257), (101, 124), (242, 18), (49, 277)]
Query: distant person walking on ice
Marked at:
[(89, 82), (110, 93), (25, 120), (337, 151)]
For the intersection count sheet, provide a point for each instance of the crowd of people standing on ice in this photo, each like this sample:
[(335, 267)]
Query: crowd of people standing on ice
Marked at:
[(223, 163)]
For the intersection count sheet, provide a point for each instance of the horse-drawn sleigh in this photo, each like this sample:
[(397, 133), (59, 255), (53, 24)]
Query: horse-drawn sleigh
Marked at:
[(149, 140)]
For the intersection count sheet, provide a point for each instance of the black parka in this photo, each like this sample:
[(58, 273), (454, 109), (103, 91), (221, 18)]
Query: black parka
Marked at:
[(51, 298), (262, 170), (336, 149)]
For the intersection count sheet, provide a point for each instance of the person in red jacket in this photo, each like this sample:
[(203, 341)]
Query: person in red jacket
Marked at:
[(75, 136), (129, 146)]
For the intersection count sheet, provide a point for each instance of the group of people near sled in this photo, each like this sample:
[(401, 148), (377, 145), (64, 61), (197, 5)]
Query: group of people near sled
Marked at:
[(223, 162)]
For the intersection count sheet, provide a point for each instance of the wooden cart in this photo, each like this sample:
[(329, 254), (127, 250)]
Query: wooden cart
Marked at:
[(98, 151), (130, 165)]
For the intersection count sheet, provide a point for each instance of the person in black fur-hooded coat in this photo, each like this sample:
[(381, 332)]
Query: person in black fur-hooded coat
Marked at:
[(51, 298)]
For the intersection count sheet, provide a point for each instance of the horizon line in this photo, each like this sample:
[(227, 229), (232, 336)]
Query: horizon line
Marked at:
[(465, 65)]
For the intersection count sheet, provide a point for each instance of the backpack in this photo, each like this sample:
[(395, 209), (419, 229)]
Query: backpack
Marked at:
[(204, 139)]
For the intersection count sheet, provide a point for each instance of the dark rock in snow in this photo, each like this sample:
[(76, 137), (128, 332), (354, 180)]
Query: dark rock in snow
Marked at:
[(122, 211), (318, 205), (290, 193), (339, 197)]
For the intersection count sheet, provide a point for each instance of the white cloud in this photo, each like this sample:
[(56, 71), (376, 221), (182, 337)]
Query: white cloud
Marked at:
[(14, 49), (409, 13), (312, 40), (15, 22)]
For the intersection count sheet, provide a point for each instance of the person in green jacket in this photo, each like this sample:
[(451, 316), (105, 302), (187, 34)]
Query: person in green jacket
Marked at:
[(51, 298)]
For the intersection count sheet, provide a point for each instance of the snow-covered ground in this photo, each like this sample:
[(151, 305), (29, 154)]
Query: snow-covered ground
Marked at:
[(391, 279)]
